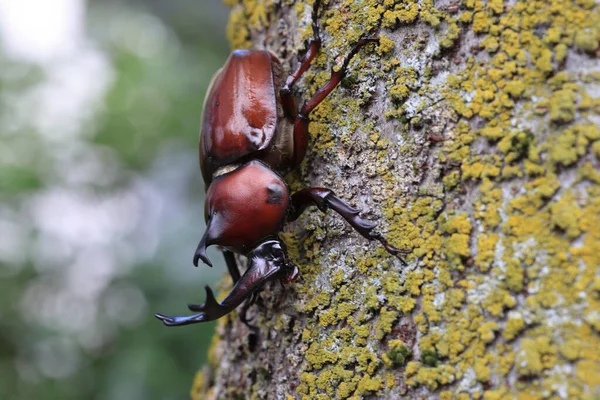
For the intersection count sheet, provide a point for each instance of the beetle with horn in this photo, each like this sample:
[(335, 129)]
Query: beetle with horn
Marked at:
[(251, 133)]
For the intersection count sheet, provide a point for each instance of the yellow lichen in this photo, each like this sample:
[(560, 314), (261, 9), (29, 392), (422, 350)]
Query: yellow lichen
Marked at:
[(502, 277)]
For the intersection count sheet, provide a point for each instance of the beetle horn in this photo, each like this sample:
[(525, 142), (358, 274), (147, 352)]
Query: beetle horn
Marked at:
[(267, 262), (210, 311), (200, 253)]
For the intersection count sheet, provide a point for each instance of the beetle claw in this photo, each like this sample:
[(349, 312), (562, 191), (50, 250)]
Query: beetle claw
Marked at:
[(391, 249), (246, 320)]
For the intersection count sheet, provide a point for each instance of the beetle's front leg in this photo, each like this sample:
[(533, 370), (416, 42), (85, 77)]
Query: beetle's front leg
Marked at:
[(302, 118), (325, 198), (232, 266)]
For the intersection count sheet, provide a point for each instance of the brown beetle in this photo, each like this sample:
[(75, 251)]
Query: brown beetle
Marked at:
[(251, 132)]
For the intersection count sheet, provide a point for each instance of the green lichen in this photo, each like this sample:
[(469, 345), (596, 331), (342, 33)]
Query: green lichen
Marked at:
[(397, 356), (429, 358)]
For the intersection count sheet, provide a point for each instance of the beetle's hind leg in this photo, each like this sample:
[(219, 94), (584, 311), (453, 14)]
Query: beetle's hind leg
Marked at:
[(325, 198), (335, 79), (311, 52)]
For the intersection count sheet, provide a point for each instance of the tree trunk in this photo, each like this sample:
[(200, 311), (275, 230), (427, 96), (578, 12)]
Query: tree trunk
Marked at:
[(470, 134)]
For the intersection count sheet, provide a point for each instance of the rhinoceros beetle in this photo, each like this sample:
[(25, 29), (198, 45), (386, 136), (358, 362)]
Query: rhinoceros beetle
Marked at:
[(251, 133)]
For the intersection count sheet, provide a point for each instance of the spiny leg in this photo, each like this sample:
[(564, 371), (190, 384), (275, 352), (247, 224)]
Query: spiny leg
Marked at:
[(325, 198), (335, 79), (312, 49), (232, 266), (287, 100), (302, 119)]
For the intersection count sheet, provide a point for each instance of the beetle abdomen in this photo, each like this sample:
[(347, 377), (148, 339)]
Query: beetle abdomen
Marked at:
[(240, 110), (245, 206)]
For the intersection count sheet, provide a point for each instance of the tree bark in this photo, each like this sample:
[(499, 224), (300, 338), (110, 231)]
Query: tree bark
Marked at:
[(470, 134)]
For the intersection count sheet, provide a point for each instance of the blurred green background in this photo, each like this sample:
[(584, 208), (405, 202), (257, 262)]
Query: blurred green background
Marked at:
[(101, 198)]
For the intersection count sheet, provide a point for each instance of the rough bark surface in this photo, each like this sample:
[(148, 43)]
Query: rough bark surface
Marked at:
[(471, 134)]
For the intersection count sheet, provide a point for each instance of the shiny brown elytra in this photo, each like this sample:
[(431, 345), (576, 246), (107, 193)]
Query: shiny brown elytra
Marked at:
[(251, 132)]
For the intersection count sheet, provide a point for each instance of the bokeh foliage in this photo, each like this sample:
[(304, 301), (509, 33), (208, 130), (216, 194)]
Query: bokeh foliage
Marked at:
[(99, 216)]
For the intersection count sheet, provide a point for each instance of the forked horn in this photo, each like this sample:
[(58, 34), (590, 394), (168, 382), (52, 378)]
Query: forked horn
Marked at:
[(267, 262), (209, 311)]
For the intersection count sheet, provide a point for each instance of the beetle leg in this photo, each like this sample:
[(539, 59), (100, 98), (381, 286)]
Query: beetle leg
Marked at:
[(312, 49), (244, 311), (232, 266), (336, 77), (254, 299), (302, 120), (325, 198)]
